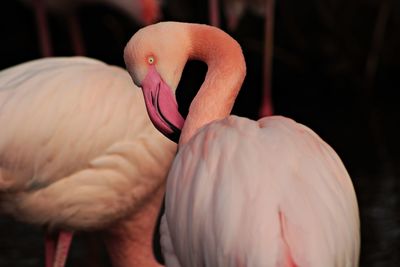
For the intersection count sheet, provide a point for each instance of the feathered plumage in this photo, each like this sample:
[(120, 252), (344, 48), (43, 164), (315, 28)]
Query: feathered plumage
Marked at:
[(270, 185), (77, 149)]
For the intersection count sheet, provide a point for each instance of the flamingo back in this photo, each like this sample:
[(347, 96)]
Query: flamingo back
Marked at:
[(259, 193)]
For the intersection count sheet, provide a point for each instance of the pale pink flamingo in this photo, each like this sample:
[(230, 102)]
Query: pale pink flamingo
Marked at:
[(240, 192), (78, 152), (143, 11)]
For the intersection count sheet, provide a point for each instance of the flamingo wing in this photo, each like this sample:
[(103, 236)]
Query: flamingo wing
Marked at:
[(267, 193), (77, 148)]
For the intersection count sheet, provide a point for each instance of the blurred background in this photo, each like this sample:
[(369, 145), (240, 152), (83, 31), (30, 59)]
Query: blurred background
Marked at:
[(336, 66)]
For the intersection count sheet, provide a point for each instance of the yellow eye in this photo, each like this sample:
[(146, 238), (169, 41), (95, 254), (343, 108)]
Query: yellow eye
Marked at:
[(150, 60)]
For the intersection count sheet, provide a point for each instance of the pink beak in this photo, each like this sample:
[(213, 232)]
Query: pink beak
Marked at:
[(161, 105)]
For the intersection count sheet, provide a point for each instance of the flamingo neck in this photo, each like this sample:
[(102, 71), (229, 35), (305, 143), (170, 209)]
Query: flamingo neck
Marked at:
[(129, 243), (224, 78)]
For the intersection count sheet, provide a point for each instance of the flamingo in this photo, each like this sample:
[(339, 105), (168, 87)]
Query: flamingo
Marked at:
[(144, 12), (78, 152), (240, 192)]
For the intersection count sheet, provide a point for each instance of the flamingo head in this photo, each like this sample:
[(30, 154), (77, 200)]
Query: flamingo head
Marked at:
[(155, 57)]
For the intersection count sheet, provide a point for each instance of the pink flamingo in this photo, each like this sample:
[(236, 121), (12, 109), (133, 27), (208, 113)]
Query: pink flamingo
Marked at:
[(78, 152), (240, 192), (143, 11)]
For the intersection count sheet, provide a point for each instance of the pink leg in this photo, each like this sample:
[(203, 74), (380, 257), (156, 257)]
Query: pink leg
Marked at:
[(213, 10), (76, 34), (266, 104), (50, 245), (64, 242), (43, 29)]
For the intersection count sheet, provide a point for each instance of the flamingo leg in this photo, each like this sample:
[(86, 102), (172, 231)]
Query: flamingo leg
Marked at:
[(75, 34), (50, 245), (213, 9), (43, 29), (266, 104), (63, 245)]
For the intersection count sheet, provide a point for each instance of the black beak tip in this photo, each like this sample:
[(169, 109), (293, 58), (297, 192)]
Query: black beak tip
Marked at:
[(174, 136)]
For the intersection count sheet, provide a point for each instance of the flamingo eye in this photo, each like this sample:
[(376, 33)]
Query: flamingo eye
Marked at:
[(150, 60)]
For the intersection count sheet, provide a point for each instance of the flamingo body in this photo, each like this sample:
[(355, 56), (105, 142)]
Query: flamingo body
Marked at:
[(77, 149), (259, 193)]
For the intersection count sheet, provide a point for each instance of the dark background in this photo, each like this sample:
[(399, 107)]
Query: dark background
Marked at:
[(335, 69)]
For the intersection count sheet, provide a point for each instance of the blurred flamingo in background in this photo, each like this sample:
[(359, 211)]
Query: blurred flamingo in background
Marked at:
[(234, 10), (213, 9), (78, 152), (240, 192), (143, 11)]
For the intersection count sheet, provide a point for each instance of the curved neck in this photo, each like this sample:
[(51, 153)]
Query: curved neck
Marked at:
[(224, 78), (129, 242)]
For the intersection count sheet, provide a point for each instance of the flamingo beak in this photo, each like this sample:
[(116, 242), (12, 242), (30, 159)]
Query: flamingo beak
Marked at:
[(161, 105)]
